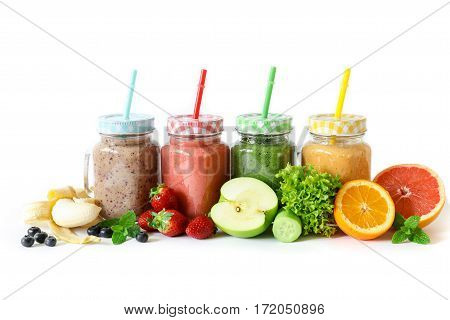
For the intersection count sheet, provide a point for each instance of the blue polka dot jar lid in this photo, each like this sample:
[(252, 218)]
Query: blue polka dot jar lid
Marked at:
[(115, 124)]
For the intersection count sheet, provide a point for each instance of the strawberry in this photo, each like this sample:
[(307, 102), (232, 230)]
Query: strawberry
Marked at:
[(162, 197), (145, 221), (169, 222), (201, 227)]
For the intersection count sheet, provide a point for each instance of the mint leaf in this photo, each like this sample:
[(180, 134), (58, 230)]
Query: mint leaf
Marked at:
[(412, 222), (133, 231), (128, 219), (406, 230), (117, 228), (399, 237), (409, 229), (420, 237), (108, 223), (118, 238), (122, 227), (398, 221)]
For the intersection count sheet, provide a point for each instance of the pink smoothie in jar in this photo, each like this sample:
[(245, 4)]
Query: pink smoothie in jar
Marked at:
[(195, 163)]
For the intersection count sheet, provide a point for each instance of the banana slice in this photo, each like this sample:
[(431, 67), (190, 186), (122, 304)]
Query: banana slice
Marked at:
[(69, 214), (61, 193), (68, 236), (39, 211)]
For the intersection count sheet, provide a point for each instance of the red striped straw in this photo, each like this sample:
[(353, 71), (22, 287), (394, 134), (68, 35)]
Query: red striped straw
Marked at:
[(201, 86)]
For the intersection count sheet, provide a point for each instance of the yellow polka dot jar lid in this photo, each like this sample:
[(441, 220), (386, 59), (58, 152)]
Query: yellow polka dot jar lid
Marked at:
[(329, 125)]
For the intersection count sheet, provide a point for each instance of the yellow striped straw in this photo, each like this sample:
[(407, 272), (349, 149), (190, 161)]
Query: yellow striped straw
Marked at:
[(342, 93)]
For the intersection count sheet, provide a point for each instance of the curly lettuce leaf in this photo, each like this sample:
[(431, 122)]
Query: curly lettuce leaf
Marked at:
[(310, 195)]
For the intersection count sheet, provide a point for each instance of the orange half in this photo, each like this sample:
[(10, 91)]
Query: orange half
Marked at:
[(363, 209)]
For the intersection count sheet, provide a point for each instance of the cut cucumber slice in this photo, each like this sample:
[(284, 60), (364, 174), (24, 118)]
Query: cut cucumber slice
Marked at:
[(287, 227)]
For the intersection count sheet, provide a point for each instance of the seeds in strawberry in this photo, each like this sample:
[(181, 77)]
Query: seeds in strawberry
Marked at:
[(163, 197), (201, 227), (145, 221)]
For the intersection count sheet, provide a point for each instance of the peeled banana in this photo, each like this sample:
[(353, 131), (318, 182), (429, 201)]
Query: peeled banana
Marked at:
[(70, 214), (66, 208)]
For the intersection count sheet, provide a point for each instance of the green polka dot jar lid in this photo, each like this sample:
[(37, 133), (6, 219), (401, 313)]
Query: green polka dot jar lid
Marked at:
[(115, 124), (254, 123)]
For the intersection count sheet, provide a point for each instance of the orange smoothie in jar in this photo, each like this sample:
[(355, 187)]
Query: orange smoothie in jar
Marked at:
[(337, 146), (195, 163)]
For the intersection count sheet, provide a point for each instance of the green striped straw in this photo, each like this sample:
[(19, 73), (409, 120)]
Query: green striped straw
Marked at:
[(265, 111), (126, 113)]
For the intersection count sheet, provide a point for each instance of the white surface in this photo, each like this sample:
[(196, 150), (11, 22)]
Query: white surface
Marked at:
[(50, 98)]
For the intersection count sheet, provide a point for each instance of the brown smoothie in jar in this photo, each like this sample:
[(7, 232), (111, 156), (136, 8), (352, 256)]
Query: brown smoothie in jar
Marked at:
[(125, 169)]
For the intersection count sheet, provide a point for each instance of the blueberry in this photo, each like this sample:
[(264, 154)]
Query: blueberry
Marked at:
[(142, 237), (33, 230), (40, 237), (94, 230), (27, 241), (105, 233), (50, 241)]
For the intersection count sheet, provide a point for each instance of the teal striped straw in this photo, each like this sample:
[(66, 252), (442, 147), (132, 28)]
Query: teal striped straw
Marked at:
[(126, 113)]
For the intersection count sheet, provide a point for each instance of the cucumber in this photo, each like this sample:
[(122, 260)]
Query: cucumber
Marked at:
[(287, 227)]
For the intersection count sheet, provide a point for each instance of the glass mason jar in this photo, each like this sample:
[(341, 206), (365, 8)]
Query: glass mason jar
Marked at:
[(264, 147), (337, 146), (126, 164), (195, 163)]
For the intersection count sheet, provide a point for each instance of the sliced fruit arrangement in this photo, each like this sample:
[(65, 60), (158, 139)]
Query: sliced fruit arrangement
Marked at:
[(246, 208), (313, 203), (415, 190), (364, 210)]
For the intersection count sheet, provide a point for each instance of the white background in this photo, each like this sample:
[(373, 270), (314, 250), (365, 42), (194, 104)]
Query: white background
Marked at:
[(50, 98)]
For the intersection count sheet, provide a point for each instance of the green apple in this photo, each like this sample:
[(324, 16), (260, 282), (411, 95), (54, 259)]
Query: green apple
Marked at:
[(246, 208)]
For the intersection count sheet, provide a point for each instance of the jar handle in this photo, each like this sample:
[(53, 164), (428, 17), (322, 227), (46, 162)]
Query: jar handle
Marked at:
[(87, 189)]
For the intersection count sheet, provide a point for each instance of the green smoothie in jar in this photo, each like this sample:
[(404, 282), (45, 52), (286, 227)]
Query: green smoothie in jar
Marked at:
[(264, 147)]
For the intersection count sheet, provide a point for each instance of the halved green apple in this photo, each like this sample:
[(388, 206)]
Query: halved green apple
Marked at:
[(246, 208)]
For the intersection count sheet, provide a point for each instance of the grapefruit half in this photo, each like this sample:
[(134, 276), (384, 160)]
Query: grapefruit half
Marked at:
[(415, 190)]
